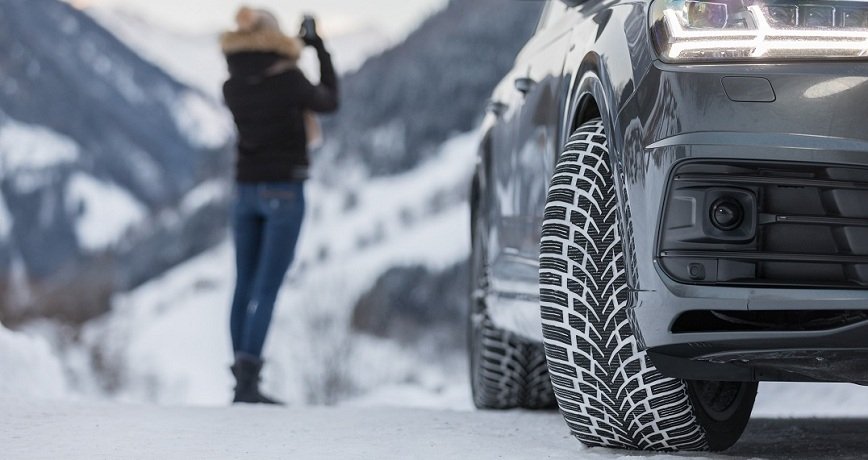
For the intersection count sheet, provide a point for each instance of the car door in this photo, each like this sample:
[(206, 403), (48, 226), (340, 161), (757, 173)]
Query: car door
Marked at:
[(538, 82), (505, 105)]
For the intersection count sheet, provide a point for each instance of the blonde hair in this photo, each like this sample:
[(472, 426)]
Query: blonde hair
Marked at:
[(259, 30), (253, 19)]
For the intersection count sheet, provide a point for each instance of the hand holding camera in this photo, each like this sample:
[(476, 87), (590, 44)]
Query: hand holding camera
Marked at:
[(308, 32)]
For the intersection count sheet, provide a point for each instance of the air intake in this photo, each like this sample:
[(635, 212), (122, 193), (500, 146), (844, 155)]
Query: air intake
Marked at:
[(767, 223)]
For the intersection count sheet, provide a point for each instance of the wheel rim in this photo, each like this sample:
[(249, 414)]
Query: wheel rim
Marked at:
[(720, 400)]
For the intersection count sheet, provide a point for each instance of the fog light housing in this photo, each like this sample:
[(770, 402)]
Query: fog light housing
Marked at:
[(727, 214)]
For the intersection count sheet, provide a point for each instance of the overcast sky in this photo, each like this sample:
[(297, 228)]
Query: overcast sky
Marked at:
[(393, 17)]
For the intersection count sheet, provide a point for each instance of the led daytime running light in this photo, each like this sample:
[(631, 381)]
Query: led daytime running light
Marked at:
[(761, 40)]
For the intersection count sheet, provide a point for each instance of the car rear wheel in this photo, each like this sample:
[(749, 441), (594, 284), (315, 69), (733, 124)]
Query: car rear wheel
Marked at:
[(609, 391), (507, 371)]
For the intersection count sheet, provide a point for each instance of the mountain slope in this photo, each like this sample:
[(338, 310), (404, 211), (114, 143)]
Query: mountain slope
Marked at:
[(395, 241), (98, 149), (402, 104), (121, 145), (347, 242)]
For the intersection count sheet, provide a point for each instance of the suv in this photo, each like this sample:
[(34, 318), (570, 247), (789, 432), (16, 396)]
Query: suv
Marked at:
[(679, 190)]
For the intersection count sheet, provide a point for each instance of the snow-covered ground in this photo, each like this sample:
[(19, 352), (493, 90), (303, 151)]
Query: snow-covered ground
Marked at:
[(30, 369), (40, 430), (70, 431)]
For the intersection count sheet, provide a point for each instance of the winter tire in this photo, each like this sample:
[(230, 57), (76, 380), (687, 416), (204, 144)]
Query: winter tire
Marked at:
[(608, 390), (507, 371)]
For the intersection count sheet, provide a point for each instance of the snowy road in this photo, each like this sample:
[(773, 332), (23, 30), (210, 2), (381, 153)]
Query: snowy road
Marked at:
[(31, 430), (809, 439)]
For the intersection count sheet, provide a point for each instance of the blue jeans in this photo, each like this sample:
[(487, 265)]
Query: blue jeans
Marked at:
[(266, 224)]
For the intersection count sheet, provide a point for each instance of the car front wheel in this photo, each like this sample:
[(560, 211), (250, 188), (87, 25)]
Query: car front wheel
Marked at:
[(608, 390)]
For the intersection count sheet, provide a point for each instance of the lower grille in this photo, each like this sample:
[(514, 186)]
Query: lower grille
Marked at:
[(700, 321), (767, 223)]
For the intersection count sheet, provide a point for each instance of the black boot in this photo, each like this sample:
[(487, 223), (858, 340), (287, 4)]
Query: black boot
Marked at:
[(246, 371)]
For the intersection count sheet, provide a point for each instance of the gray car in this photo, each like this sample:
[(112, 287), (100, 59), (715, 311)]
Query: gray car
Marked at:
[(671, 205)]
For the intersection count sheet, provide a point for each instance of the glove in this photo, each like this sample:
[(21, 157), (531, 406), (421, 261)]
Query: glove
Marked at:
[(309, 34), (314, 41)]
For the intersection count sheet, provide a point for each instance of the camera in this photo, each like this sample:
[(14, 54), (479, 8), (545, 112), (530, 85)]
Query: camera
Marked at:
[(308, 28)]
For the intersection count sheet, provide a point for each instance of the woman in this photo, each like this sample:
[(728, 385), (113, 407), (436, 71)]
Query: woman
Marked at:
[(270, 100)]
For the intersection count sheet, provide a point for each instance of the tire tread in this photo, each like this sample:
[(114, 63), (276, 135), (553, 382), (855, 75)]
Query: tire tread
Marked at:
[(608, 390)]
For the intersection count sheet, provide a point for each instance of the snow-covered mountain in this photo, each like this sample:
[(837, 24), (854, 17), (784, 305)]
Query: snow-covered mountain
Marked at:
[(402, 104), (404, 257), (193, 59), (98, 151), (125, 140), (147, 351)]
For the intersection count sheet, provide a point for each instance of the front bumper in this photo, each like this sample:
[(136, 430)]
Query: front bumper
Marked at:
[(815, 114)]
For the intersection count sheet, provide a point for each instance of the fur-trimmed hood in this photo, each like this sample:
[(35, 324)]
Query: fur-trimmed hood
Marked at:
[(262, 40)]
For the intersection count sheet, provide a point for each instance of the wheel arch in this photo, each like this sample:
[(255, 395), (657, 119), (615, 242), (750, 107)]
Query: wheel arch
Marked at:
[(588, 96), (592, 96)]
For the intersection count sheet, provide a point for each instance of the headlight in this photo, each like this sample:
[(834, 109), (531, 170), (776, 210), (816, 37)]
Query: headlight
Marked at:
[(687, 30)]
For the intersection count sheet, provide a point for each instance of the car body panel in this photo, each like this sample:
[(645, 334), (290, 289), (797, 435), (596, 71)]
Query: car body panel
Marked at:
[(535, 124), (673, 125)]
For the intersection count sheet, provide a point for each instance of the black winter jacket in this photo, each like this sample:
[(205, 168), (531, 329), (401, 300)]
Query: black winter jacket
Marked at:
[(268, 102)]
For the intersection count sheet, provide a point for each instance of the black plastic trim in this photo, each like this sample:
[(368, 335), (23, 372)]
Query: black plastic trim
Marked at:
[(810, 221), (769, 256), (759, 180)]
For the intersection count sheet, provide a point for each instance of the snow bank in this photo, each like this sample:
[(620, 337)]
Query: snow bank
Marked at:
[(28, 368), (168, 341), (105, 212)]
